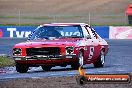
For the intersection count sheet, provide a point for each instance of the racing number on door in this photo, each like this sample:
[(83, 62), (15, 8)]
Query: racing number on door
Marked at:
[(91, 53)]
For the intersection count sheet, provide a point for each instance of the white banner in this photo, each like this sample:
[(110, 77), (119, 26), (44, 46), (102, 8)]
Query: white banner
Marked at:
[(120, 32)]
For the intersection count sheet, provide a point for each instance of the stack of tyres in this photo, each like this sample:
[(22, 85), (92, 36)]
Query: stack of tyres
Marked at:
[(130, 19)]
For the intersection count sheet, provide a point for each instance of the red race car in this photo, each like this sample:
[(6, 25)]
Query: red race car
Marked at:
[(60, 44)]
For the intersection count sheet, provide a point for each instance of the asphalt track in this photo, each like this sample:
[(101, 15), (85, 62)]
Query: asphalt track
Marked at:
[(118, 60)]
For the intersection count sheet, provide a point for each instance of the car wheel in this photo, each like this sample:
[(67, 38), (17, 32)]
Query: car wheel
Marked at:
[(79, 62), (46, 68), (21, 68), (101, 60)]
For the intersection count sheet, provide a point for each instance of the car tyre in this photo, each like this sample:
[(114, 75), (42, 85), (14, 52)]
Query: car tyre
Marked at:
[(100, 61), (21, 68), (46, 68), (79, 62)]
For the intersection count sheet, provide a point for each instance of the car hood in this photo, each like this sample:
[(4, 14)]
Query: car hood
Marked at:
[(49, 43)]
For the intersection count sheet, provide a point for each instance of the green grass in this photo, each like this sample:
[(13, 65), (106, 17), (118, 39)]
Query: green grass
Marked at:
[(110, 24), (6, 61), (41, 17), (7, 17), (14, 24), (37, 18), (111, 17), (37, 24), (27, 17)]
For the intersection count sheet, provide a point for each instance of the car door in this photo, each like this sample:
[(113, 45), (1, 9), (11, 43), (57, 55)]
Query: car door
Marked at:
[(88, 46), (94, 46)]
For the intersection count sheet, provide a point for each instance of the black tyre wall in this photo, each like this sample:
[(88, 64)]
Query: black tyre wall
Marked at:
[(130, 19)]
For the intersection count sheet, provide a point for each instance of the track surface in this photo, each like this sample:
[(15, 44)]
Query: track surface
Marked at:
[(118, 60)]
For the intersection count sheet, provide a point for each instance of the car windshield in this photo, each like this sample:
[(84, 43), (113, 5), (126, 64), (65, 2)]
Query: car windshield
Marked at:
[(57, 31)]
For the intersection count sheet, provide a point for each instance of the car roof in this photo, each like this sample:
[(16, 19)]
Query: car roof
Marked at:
[(65, 24)]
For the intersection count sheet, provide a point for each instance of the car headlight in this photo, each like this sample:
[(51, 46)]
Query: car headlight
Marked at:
[(69, 50), (17, 51)]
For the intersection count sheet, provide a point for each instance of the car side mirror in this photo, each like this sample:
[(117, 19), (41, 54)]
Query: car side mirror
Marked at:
[(29, 36), (88, 37)]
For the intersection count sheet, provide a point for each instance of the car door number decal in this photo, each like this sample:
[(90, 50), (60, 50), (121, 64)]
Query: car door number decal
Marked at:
[(91, 53)]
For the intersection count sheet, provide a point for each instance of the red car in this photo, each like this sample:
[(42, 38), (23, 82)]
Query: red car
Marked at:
[(61, 44)]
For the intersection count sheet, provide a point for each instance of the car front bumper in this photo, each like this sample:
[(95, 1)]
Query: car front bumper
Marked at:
[(45, 57), (45, 60), (42, 59)]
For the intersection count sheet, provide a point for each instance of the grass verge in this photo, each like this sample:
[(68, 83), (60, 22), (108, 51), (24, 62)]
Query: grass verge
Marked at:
[(6, 61), (37, 24)]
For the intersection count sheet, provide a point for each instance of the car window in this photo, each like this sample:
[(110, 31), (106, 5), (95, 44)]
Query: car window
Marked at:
[(68, 31), (57, 32), (92, 33), (86, 33)]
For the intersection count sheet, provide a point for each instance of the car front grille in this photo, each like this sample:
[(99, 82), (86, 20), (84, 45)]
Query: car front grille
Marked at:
[(43, 51)]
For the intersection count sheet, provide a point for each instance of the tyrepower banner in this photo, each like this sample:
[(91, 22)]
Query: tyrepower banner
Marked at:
[(103, 31), (24, 31), (120, 32), (16, 31)]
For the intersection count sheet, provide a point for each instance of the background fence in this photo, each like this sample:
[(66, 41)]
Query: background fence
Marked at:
[(94, 19)]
